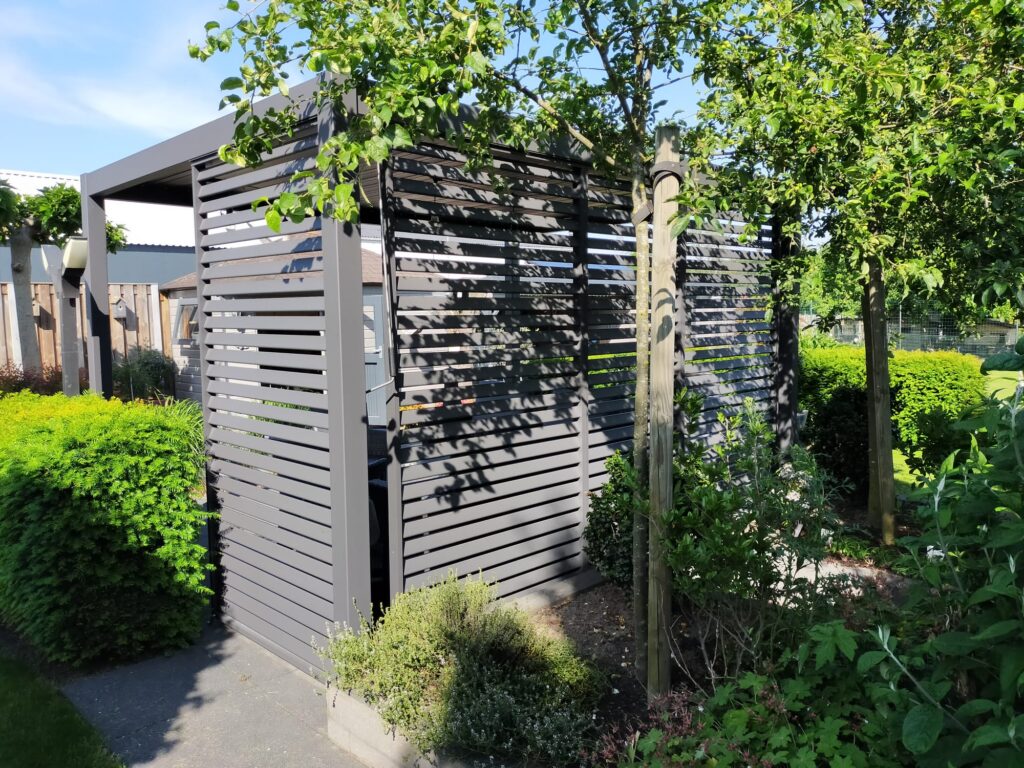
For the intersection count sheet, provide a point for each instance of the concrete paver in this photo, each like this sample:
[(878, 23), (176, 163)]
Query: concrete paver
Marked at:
[(223, 703)]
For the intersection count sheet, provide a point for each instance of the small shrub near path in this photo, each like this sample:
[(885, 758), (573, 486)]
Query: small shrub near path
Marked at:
[(456, 672)]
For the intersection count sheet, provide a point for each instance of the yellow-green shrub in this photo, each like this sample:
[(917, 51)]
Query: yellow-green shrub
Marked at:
[(98, 526), (929, 390)]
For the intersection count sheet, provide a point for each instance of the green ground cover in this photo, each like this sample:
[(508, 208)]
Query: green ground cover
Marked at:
[(39, 728)]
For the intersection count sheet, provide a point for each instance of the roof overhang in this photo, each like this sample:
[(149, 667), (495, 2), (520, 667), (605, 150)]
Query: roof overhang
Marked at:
[(163, 173)]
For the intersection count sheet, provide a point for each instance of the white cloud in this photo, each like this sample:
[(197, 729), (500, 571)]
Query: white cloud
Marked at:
[(159, 111)]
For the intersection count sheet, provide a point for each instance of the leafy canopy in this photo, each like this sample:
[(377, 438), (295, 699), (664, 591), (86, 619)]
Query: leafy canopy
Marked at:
[(893, 127), (585, 69), (54, 215)]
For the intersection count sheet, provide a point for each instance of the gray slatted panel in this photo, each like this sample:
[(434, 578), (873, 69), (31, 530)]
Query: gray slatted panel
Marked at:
[(266, 394), (727, 341), (490, 363)]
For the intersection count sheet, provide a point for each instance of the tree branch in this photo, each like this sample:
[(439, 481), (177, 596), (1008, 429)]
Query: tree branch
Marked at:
[(590, 25)]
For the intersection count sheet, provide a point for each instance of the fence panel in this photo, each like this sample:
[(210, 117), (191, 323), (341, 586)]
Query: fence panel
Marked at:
[(512, 298), (265, 391), (134, 331)]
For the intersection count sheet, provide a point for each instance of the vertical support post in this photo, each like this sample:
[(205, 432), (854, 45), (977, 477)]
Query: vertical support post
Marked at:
[(881, 491), (396, 562), (67, 298), (786, 338), (212, 501), (346, 404), (663, 347), (97, 296), (581, 303)]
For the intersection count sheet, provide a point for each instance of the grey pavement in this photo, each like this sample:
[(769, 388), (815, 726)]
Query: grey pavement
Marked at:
[(223, 703)]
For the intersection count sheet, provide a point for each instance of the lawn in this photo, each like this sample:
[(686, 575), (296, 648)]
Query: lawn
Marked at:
[(39, 728)]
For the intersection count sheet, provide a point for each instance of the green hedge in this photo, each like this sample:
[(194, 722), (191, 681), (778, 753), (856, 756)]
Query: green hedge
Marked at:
[(930, 390), (98, 526)]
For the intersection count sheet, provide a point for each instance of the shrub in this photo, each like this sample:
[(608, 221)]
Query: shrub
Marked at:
[(42, 381), (745, 540), (608, 539), (930, 391), (813, 710), (956, 661), (453, 670), (143, 375), (98, 528)]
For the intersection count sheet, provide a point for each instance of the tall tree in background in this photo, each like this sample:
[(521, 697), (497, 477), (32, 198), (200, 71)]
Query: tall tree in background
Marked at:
[(50, 217), (587, 69), (893, 128)]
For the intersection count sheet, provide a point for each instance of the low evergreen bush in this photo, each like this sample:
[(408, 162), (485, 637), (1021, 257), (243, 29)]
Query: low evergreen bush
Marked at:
[(454, 671), (99, 556), (930, 392), (608, 539)]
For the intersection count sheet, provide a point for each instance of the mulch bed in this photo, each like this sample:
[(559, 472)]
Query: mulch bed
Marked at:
[(599, 621)]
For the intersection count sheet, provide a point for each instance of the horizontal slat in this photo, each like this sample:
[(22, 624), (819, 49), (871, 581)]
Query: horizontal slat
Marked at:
[(278, 286), (299, 435), (312, 361), (293, 506), (526, 442), (482, 463), (316, 343), (313, 400), (303, 304), (515, 542), (475, 503), (290, 575), (268, 376)]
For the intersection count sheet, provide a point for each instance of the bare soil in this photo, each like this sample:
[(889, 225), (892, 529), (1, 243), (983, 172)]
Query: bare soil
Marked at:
[(599, 622)]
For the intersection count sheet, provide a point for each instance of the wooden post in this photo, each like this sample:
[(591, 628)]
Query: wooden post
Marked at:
[(881, 483), (663, 341)]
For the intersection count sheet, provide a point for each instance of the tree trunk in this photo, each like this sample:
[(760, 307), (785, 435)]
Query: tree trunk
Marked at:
[(881, 482), (21, 243), (640, 420), (663, 349)]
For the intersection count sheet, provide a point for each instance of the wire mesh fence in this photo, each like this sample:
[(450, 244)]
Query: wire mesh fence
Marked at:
[(931, 332)]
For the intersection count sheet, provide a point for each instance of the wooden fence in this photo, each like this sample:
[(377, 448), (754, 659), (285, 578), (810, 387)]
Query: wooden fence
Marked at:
[(141, 328)]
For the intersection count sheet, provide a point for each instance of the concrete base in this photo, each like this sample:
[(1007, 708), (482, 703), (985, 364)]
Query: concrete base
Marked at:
[(355, 727)]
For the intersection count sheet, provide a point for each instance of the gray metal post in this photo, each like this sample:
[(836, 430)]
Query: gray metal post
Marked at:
[(396, 570), (346, 403), (581, 283), (97, 296), (68, 299)]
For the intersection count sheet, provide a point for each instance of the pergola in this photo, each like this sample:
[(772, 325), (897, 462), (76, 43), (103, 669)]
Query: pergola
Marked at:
[(510, 364)]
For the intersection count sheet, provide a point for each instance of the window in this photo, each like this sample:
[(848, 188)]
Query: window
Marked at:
[(186, 326)]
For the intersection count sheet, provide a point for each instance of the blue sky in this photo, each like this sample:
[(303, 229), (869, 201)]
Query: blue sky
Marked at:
[(85, 82)]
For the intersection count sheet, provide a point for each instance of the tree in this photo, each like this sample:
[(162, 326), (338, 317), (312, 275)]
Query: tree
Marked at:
[(50, 217), (587, 69), (890, 128)]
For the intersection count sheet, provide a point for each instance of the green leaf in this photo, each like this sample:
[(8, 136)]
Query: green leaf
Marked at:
[(1018, 103), (273, 219), (921, 728), (232, 5), (999, 630), (1003, 361), (231, 84), (477, 62), (870, 660)]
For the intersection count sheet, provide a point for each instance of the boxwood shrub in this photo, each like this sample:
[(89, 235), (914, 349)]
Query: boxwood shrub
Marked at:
[(99, 556), (456, 672), (930, 391)]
